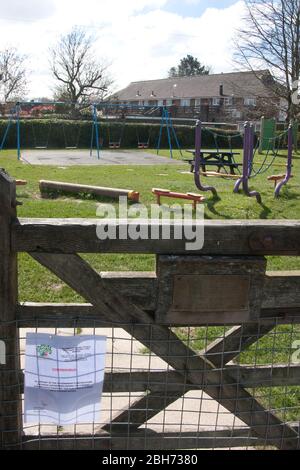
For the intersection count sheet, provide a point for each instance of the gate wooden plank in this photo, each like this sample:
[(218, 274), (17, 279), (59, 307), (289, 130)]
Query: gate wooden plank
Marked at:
[(10, 395), (172, 383), (162, 341), (142, 410), (225, 237), (223, 438), (147, 440)]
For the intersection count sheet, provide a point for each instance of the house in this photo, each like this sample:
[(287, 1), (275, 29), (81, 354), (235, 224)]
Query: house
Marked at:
[(227, 97)]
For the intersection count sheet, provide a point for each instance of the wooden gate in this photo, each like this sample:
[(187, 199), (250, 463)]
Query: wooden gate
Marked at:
[(225, 284)]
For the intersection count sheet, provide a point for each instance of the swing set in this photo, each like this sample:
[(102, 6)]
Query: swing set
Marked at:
[(116, 128), (14, 118), (41, 136), (113, 133)]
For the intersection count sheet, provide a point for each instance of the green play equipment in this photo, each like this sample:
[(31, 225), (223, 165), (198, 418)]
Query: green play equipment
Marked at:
[(295, 135), (267, 134)]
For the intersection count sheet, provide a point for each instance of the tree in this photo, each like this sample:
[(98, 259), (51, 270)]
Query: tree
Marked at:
[(188, 66), (270, 39), (13, 81), (80, 77)]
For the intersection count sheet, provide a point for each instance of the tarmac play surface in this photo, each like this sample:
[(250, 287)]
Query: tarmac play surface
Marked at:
[(82, 157)]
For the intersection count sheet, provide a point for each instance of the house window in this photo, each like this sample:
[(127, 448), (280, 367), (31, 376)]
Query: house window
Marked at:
[(228, 101), (146, 103), (185, 102), (160, 103), (216, 101), (169, 102), (250, 101), (236, 114), (282, 116), (198, 102)]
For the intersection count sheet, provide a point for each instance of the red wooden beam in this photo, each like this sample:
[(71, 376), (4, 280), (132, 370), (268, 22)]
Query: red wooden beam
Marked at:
[(196, 198)]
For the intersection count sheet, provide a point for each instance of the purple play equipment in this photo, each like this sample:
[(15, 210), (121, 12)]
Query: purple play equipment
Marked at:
[(247, 163), (248, 159), (289, 165), (197, 177)]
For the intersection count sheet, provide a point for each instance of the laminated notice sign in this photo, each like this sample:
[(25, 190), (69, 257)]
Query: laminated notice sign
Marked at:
[(63, 378)]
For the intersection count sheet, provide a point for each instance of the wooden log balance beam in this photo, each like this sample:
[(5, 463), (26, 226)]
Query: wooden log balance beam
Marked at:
[(196, 198), (53, 187)]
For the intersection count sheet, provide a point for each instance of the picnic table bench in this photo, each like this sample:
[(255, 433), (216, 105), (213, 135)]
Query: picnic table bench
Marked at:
[(221, 159)]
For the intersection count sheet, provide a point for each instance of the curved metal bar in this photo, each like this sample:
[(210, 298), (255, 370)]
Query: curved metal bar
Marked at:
[(289, 163), (237, 185), (245, 173), (198, 141), (248, 161)]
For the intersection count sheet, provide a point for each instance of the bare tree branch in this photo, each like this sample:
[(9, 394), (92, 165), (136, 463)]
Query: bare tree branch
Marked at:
[(13, 83), (81, 78), (270, 39)]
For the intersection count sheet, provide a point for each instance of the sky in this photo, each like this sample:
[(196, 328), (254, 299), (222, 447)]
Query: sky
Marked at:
[(141, 39)]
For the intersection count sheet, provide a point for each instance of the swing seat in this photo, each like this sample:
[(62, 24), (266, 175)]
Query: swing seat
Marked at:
[(71, 148), (40, 147), (143, 146), (114, 145)]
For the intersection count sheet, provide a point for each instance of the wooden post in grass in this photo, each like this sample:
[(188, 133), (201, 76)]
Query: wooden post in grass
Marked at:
[(10, 397)]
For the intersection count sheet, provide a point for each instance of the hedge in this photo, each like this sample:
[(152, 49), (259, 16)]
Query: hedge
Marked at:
[(59, 134)]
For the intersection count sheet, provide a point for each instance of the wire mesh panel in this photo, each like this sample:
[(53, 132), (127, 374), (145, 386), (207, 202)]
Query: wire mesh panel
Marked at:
[(248, 396)]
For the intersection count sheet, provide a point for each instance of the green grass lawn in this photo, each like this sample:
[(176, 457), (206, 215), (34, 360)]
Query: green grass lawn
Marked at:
[(37, 284)]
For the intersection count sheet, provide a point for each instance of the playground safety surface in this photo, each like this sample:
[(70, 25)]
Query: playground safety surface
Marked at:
[(82, 157)]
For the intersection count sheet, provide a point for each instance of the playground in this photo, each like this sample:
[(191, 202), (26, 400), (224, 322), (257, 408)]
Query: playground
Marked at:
[(198, 173), (143, 149), (107, 134)]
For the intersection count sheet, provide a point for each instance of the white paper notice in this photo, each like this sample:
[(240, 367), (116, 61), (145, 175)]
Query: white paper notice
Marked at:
[(63, 378)]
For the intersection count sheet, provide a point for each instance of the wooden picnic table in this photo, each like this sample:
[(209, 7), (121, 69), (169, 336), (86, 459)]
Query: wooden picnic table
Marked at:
[(219, 158)]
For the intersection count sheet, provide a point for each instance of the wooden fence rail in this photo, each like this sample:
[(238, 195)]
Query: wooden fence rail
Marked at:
[(225, 283)]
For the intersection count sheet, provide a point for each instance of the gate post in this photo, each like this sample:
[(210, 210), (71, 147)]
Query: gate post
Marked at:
[(10, 396)]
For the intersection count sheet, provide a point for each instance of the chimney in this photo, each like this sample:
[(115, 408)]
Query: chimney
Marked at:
[(221, 90)]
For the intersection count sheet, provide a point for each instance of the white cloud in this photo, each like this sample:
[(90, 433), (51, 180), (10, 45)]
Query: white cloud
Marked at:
[(140, 39), (192, 2), (28, 10)]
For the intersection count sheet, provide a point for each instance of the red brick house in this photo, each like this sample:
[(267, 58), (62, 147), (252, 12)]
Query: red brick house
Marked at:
[(227, 97)]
